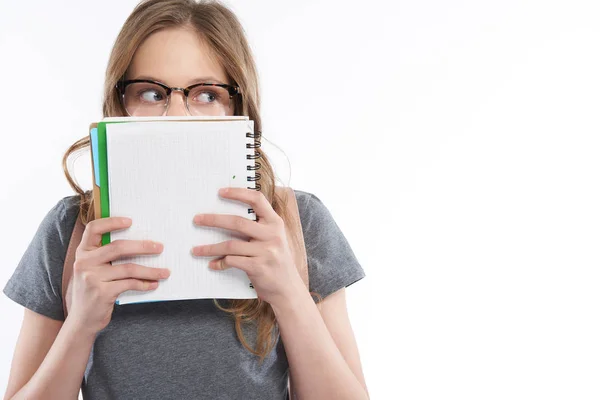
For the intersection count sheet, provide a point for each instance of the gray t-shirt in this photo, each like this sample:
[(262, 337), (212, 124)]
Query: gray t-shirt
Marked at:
[(185, 349)]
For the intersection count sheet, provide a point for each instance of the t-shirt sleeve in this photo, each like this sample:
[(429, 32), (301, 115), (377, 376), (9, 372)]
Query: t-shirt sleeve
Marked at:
[(332, 265), (36, 283)]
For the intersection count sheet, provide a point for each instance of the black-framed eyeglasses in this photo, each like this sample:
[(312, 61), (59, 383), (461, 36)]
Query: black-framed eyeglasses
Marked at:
[(144, 97)]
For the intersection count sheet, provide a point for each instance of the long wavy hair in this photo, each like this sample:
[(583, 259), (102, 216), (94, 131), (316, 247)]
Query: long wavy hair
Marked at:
[(220, 29)]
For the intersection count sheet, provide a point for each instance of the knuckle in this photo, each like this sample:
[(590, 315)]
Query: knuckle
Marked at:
[(240, 222), (272, 250), (148, 272), (93, 226), (279, 222), (117, 248), (121, 246), (205, 249), (112, 251), (128, 269), (87, 277), (79, 253), (277, 241), (229, 246), (147, 245), (78, 265), (255, 264)]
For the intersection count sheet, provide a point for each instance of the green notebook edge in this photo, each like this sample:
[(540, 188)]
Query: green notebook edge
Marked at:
[(103, 166)]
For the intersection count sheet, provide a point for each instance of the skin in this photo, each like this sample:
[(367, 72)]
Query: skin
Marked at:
[(177, 58)]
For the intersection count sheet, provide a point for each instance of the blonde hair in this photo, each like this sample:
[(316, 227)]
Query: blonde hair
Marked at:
[(224, 35)]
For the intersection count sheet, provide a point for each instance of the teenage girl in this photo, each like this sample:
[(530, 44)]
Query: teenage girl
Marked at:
[(179, 57)]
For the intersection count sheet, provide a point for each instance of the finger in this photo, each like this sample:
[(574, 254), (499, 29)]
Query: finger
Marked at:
[(118, 287), (243, 263), (92, 234), (122, 248), (132, 270), (256, 199), (229, 247), (233, 222)]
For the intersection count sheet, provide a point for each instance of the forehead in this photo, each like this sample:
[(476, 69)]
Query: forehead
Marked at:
[(177, 57)]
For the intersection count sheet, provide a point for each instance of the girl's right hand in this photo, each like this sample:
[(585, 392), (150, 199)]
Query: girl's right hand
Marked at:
[(96, 283)]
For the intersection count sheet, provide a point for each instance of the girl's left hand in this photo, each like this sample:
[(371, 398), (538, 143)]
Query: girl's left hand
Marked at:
[(266, 257)]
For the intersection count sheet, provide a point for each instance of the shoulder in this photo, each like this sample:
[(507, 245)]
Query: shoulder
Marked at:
[(71, 208), (307, 202), (54, 232), (313, 212), (332, 264), (303, 197), (60, 220), (36, 282)]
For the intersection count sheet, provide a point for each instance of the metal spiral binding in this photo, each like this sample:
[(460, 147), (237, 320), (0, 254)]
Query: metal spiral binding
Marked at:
[(256, 136)]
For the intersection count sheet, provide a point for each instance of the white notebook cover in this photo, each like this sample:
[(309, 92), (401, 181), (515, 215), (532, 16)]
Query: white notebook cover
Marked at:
[(162, 173)]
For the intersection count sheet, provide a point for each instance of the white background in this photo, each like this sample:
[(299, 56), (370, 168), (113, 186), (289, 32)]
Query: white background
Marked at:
[(455, 143)]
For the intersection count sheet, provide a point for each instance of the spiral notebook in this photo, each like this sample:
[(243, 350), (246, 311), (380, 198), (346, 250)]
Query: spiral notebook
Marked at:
[(160, 172)]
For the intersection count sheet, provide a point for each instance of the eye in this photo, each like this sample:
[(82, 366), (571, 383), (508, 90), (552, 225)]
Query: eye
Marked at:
[(150, 95), (205, 96), (208, 95)]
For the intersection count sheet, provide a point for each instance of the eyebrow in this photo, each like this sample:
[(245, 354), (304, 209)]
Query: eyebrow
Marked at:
[(206, 79)]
